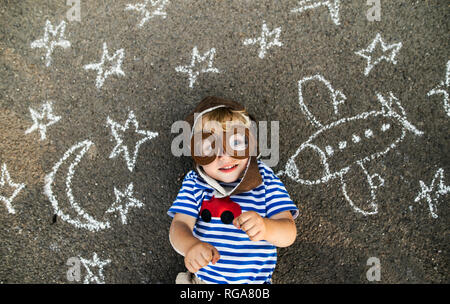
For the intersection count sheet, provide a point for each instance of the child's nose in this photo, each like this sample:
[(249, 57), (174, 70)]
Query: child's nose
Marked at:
[(222, 154)]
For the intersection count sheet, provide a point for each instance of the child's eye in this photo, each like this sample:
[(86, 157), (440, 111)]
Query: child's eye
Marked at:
[(238, 142)]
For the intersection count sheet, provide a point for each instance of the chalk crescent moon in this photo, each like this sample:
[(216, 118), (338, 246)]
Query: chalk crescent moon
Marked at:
[(84, 220)]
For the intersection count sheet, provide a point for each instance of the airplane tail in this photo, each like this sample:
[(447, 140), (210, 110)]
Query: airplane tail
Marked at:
[(393, 108)]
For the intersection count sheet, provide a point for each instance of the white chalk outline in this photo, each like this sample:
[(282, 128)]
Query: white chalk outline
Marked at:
[(116, 69), (262, 40), (189, 69), (332, 5), (120, 147), (365, 53), (121, 206), (337, 98), (46, 111), (386, 111), (373, 204), (142, 8), (89, 222), (49, 45), (442, 88), (94, 262), (6, 178), (439, 190)]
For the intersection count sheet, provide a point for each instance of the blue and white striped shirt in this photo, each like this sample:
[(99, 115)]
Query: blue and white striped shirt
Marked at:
[(241, 260)]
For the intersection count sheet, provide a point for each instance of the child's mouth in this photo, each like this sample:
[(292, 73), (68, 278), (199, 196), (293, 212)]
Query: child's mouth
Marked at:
[(228, 168)]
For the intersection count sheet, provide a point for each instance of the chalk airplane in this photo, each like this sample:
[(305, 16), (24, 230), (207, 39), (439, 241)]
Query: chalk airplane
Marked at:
[(329, 141), (332, 5)]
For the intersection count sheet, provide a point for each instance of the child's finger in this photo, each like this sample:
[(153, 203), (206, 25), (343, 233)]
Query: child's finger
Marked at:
[(204, 259), (190, 267), (242, 219), (207, 255), (216, 255), (245, 216), (248, 225), (251, 232), (196, 264), (236, 223), (257, 237)]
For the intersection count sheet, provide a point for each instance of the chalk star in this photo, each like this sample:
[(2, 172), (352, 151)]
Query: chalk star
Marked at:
[(442, 88), (49, 44), (95, 262), (367, 53), (115, 69), (196, 58), (121, 206), (46, 113), (143, 9), (5, 179), (262, 40), (437, 191), (120, 146), (332, 5)]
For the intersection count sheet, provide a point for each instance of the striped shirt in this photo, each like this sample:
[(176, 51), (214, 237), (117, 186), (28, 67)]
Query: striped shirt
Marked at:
[(241, 260)]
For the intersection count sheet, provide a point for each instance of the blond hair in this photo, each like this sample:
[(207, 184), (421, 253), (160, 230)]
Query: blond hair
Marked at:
[(223, 116)]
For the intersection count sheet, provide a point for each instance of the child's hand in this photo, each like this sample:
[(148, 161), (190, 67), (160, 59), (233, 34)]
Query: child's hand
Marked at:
[(199, 255), (252, 224)]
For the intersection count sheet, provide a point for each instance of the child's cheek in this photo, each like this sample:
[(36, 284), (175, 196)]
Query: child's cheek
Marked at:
[(210, 169)]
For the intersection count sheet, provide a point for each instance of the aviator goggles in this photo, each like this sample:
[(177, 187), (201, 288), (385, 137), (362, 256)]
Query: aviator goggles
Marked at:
[(239, 143)]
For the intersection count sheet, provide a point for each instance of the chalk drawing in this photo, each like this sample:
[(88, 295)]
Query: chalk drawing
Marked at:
[(83, 219), (124, 200), (5, 181), (367, 53), (391, 110), (264, 38), (39, 118), (116, 68), (119, 130), (342, 145), (157, 9), (198, 59), (442, 88), (337, 98), (332, 5), (431, 194), (52, 37), (95, 262)]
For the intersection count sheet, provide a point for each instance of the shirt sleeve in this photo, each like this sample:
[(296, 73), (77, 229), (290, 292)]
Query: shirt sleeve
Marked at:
[(185, 201), (277, 197)]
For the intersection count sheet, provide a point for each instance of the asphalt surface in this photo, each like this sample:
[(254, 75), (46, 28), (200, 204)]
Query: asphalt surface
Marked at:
[(334, 240)]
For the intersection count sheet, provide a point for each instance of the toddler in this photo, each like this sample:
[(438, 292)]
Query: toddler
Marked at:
[(232, 211)]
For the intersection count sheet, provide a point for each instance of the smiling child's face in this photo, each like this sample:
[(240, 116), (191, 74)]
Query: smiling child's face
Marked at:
[(225, 168)]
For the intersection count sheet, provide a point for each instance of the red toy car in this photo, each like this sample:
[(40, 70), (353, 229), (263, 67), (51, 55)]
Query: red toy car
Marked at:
[(224, 208)]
